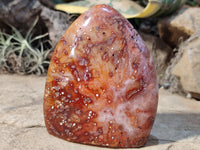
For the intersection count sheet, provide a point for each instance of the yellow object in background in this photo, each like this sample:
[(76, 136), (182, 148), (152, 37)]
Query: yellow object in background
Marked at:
[(128, 8)]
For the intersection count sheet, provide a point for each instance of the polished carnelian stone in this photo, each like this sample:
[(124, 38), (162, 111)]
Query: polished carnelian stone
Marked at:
[(101, 86)]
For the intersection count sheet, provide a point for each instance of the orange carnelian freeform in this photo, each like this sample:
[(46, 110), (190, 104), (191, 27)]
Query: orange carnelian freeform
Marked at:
[(101, 86)]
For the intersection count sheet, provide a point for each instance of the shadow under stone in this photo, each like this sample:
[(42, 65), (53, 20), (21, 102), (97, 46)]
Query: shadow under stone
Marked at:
[(172, 127)]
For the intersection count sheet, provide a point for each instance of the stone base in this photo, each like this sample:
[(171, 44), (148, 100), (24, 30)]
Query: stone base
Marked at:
[(177, 125)]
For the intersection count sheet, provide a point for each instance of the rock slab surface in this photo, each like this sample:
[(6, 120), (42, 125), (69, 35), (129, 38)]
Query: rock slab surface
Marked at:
[(176, 127), (188, 68)]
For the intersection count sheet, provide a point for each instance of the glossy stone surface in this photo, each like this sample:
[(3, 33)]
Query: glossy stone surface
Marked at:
[(101, 86)]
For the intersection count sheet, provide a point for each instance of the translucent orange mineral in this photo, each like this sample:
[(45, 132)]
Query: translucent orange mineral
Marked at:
[(101, 86)]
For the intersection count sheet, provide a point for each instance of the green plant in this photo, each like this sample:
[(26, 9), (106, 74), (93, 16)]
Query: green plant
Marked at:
[(5, 45), (24, 54), (193, 2)]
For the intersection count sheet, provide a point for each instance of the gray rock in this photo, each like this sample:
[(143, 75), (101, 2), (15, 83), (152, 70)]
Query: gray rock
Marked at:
[(19, 13), (57, 23), (22, 13), (177, 125), (160, 52), (180, 26), (188, 67)]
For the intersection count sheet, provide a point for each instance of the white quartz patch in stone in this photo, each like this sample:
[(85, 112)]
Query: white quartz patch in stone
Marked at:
[(118, 115)]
